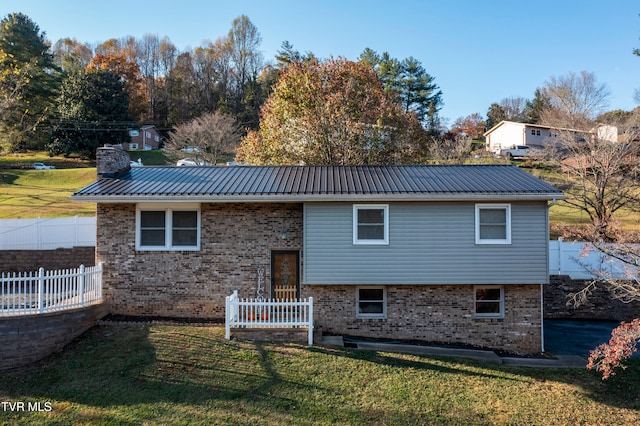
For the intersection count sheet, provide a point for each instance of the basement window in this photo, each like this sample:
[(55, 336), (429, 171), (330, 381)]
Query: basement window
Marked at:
[(371, 302), (489, 301)]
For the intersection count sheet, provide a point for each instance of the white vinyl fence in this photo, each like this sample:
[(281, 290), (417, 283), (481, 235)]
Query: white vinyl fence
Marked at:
[(47, 234), (580, 260), (256, 313), (44, 291)]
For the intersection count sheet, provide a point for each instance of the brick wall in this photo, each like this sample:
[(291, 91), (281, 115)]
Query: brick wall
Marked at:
[(599, 306), (32, 260), (430, 313), (29, 338), (236, 239), (300, 335)]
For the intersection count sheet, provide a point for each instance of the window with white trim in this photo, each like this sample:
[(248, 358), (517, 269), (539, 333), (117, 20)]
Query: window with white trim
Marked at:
[(488, 301), (370, 224), (493, 224), (371, 302), (168, 228)]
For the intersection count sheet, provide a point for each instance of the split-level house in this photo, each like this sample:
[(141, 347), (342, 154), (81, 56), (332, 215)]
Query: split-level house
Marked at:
[(449, 254)]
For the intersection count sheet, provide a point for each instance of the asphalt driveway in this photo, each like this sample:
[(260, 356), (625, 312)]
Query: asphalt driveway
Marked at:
[(576, 337)]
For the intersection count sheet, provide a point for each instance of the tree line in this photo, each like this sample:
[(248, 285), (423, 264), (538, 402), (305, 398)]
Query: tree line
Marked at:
[(69, 96)]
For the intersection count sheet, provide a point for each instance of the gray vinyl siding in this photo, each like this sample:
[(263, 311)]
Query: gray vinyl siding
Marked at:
[(429, 243)]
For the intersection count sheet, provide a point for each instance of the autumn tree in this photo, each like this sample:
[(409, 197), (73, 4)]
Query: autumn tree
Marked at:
[(29, 82), (214, 135), (471, 126), (129, 74), (167, 57), (148, 59), (13, 79), (332, 112), (244, 41), (284, 57), (182, 96), (71, 55)]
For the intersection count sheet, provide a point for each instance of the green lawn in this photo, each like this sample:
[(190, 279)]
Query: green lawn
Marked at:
[(131, 375), (44, 193)]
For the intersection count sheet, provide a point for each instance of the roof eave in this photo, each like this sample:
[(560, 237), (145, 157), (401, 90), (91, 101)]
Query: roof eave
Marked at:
[(284, 198)]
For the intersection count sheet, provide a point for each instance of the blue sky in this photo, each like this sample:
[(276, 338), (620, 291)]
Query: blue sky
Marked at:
[(478, 52)]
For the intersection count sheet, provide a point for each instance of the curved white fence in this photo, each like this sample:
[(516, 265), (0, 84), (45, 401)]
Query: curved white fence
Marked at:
[(45, 291)]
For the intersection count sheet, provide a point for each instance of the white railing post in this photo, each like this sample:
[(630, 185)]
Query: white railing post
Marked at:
[(227, 320), (41, 290), (235, 307), (560, 255), (230, 313), (311, 321), (81, 285)]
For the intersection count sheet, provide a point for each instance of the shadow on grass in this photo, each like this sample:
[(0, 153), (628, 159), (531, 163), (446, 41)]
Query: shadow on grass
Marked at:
[(8, 178), (621, 390), (120, 372), (127, 374)]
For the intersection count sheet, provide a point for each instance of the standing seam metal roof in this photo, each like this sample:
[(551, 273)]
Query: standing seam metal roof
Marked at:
[(253, 181)]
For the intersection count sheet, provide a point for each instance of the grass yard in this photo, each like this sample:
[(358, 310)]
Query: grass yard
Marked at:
[(26, 160), (43, 193), (190, 375)]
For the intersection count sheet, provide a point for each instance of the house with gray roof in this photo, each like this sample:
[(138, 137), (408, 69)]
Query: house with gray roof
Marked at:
[(448, 254)]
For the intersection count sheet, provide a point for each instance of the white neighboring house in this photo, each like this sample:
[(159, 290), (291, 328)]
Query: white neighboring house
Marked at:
[(506, 134)]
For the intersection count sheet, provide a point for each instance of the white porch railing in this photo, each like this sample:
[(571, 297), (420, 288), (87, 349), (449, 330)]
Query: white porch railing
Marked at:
[(254, 313), (46, 291)]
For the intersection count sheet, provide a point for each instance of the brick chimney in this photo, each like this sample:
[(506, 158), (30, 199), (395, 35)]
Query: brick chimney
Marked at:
[(111, 161)]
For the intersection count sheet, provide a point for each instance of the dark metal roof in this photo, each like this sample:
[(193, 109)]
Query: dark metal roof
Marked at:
[(306, 183)]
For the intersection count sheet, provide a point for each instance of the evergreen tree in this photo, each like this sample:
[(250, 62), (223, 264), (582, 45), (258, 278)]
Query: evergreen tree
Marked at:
[(495, 115), (410, 82), (33, 81), (539, 103), (93, 110)]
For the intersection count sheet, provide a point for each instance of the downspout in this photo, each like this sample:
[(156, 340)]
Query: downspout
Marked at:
[(542, 318), (553, 201)]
